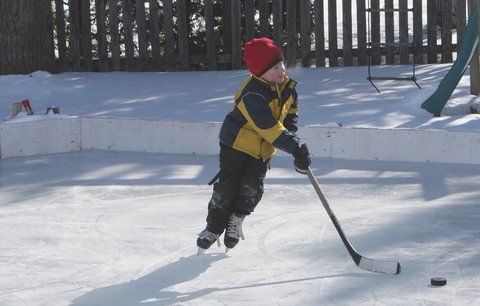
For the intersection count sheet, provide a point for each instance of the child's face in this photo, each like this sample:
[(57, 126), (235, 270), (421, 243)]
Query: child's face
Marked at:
[(276, 74)]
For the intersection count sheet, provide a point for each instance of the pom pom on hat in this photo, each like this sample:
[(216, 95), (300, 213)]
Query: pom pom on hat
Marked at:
[(261, 54)]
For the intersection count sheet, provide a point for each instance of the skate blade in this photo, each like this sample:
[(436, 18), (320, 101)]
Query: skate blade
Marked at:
[(200, 251), (227, 250)]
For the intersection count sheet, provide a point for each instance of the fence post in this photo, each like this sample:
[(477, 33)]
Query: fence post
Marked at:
[(236, 41), (210, 35), (114, 34), (142, 34), (101, 35), (226, 29), (319, 34), (169, 35), (432, 31), (264, 14), (86, 36), (389, 33), (74, 34), (376, 52), (292, 34), (332, 34), (362, 32), (127, 27), (277, 22), (447, 31), (249, 20), (347, 33), (155, 33), (61, 36), (305, 29), (461, 21), (474, 63), (418, 31), (404, 41)]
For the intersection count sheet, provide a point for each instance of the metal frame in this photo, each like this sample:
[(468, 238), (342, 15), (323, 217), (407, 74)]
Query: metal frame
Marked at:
[(371, 78)]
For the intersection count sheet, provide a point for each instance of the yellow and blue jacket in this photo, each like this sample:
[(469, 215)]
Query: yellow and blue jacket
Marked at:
[(263, 118)]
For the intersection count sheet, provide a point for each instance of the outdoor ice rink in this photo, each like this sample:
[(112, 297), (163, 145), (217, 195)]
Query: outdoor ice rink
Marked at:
[(102, 228)]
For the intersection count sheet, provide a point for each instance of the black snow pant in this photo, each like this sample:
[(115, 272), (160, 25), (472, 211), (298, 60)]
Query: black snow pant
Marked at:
[(238, 190)]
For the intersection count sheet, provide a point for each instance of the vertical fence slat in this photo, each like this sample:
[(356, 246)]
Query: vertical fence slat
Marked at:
[(114, 34), (403, 24), (142, 34), (86, 35), (361, 32), (389, 33), (236, 30), (305, 29), (332, 34), (432, 31), (61, 37), (418, 30), (447, 31), (277, 22), (236, 41), (264, 16), (249, 20), (210, 35), (169, 44), (460, 21), (375, 33), (155, 33), (49, 63), (227, 26), (101, 35), (347, 33), (74, 34), (474, 64), (184, 57), (128, 35), (291, 34), (319, 34)]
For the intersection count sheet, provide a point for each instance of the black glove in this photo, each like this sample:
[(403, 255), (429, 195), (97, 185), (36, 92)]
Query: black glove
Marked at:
[(302, 159)]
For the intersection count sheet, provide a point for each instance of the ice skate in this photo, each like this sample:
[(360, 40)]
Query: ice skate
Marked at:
[(233, 232), (205, 240)]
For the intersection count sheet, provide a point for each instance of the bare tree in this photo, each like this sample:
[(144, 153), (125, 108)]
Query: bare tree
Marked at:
[(26, 36)]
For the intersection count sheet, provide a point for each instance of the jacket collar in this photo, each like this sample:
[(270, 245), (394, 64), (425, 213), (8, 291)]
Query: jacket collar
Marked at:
[(270, 86)]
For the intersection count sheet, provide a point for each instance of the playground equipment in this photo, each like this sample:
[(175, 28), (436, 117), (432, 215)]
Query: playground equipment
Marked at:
[(467, 55), (370, 44)]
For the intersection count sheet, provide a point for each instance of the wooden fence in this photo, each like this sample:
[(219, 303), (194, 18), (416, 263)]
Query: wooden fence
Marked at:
[(153, 35)]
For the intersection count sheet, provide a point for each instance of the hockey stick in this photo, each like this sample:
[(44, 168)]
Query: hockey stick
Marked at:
[(372, 265)]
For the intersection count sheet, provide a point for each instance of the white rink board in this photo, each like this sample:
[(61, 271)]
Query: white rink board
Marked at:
[(40, 137), (393, 144), (153, 136), (176, 137)]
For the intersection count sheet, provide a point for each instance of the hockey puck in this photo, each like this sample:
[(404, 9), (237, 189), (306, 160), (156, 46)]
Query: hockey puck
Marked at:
[(438, 281)]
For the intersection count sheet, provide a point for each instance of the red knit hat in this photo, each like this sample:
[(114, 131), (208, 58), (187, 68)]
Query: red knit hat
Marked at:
[(261, 54)]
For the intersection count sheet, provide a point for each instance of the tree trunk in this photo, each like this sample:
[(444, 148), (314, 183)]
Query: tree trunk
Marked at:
[(26, 36)]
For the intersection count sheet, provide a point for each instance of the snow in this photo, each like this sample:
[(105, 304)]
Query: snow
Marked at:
[(327, 95), (117, 228)]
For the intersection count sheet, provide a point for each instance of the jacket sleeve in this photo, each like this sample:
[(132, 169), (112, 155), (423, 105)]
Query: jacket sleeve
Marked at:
[(254, 107), (290, 121)]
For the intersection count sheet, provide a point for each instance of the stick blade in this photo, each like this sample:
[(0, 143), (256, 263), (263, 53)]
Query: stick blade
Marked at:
[(379, 266)]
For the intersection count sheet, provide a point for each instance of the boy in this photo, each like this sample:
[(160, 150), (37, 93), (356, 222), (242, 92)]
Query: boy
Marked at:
[(264, 117)]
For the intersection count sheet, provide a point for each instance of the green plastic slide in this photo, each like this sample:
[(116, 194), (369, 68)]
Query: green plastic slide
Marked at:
[(435, 103)]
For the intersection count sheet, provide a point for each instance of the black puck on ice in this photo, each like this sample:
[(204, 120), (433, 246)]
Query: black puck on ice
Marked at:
[(438, 281)]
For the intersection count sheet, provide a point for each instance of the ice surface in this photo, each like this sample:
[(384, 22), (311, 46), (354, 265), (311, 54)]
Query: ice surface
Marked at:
[(99, 228)]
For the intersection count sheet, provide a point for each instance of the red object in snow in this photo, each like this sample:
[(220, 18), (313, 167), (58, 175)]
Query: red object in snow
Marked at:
[(28, 108)]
